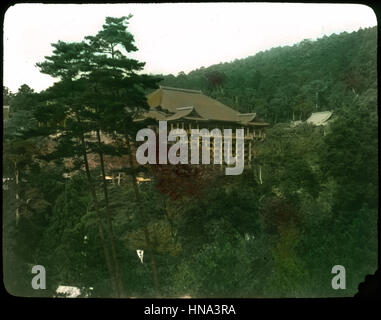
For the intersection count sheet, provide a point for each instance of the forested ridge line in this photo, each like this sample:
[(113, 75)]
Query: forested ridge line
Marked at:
[(290, 82)]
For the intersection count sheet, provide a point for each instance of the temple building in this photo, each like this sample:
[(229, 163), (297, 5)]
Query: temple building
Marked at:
[(191, 109), (320, 118)]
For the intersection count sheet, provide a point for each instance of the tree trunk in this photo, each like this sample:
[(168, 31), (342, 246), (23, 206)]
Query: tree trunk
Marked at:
[(108, 217), (317, 95), (171, 224), (144, 220), (99, 218), (260, 174)]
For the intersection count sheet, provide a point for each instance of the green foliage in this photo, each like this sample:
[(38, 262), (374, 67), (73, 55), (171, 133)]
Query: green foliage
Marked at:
[(350, 156), (24, 99), (288, 83), (308, 202), (225, 268), (289, 159), (7, 96)]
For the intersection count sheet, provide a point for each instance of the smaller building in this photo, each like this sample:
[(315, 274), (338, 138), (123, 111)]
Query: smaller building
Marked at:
[(320, 118)]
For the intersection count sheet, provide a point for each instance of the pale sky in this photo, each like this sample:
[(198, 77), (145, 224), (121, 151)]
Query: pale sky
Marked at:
[(170, 37)]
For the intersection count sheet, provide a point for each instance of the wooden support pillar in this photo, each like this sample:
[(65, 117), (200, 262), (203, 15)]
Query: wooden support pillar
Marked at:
[(212, 150), (260, 174), (250, 150)]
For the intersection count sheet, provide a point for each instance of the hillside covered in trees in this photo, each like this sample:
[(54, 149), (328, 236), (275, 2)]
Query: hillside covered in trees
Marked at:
[(308, 202), (286, 83)]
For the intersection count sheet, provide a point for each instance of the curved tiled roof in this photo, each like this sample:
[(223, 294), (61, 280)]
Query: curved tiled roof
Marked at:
[(319, 118), (193, 105), (181, 112), (246, 117)]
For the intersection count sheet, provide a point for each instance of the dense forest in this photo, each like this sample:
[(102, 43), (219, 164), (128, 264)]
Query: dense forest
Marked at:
[(286, 83), (308, 202)]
